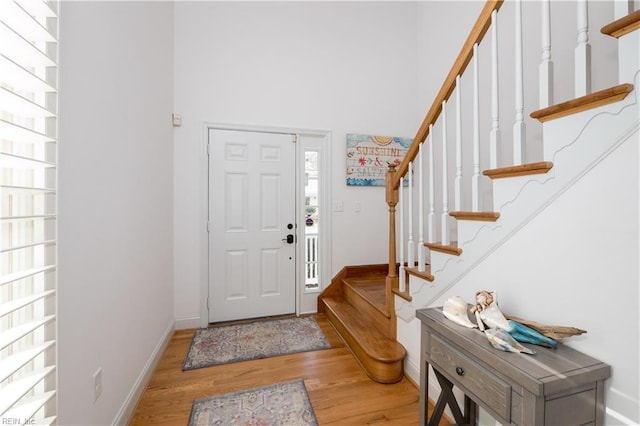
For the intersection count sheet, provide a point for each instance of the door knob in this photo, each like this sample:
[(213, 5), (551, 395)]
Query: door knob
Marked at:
[(289, 239)]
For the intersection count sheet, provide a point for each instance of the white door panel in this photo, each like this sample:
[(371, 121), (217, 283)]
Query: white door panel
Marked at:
[(251, 203)]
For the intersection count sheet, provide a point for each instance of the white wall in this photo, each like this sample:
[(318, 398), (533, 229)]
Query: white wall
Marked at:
[(115, 202), (444, 27), (337, 66)]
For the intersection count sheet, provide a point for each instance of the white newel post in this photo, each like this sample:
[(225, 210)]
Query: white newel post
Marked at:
[(401, 273), (475, 178), (431, 222), (445, 184), (457, 190), (421, 247), (546, 64), (410, 244), (583, 52), (518, 127), (494, 135)]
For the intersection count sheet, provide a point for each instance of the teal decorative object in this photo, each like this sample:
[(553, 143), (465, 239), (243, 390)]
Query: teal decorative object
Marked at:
[(525, 334)]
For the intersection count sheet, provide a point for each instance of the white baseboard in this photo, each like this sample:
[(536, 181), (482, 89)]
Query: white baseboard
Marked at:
[(187, 323), (412, 371), (131, 401)]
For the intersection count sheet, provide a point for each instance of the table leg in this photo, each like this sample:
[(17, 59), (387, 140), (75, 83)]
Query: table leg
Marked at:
[(448, 398)]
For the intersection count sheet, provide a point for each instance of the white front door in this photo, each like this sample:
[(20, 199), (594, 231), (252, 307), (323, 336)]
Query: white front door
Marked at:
[(251, 213)]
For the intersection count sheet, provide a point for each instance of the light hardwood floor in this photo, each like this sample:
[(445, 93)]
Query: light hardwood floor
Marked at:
[(340, 392)]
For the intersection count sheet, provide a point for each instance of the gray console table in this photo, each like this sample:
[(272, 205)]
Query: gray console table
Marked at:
[(553, 387)]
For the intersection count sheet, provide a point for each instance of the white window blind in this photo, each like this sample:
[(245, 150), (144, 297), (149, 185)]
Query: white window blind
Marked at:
[(28, 132)]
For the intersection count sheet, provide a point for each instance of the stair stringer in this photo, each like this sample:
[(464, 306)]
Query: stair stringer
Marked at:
[(520, 199)]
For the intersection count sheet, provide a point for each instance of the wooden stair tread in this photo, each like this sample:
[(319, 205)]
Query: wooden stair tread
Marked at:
[(622, 26), (372, 289), (404, 294), (360, 271), (426, 274), (371, 340), (451, 248), (521, 170), (366, 270), (583, 103), (483, 216), (370, 277)]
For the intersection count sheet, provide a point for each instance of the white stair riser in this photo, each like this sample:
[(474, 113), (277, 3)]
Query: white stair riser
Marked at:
[(561, 133), (628, 56), (468, 229), (440, 260), (506, 190)]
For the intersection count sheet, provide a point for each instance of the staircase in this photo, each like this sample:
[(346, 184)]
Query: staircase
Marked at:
[(364, 302), (356, 304)]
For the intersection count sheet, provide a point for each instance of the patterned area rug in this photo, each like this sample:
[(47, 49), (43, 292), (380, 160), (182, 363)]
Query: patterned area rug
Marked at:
[(223, 345), (284, 403)]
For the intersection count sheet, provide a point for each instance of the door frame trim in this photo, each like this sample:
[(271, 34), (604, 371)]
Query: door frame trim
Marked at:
[(325, 181)]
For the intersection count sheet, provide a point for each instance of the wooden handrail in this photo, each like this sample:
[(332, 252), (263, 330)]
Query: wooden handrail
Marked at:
[(464, 57)]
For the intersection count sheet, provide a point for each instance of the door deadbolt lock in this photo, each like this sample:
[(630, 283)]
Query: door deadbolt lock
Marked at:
[(289, 239)]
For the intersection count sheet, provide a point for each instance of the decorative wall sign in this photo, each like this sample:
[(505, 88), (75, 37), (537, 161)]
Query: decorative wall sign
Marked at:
[(368, 157)]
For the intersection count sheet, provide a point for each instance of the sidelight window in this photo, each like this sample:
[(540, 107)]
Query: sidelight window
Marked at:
[(312, 221)]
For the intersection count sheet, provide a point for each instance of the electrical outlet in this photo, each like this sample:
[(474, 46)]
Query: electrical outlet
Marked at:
[(97, 384)]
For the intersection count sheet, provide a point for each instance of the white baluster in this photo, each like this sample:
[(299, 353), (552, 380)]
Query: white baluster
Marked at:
[(421, 247), (546, 65), (583, 51), (401, 273), (431, 222), (475, 178), (494, 136), (457, 193), (410, 244), (518, 127), (445, 184)]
